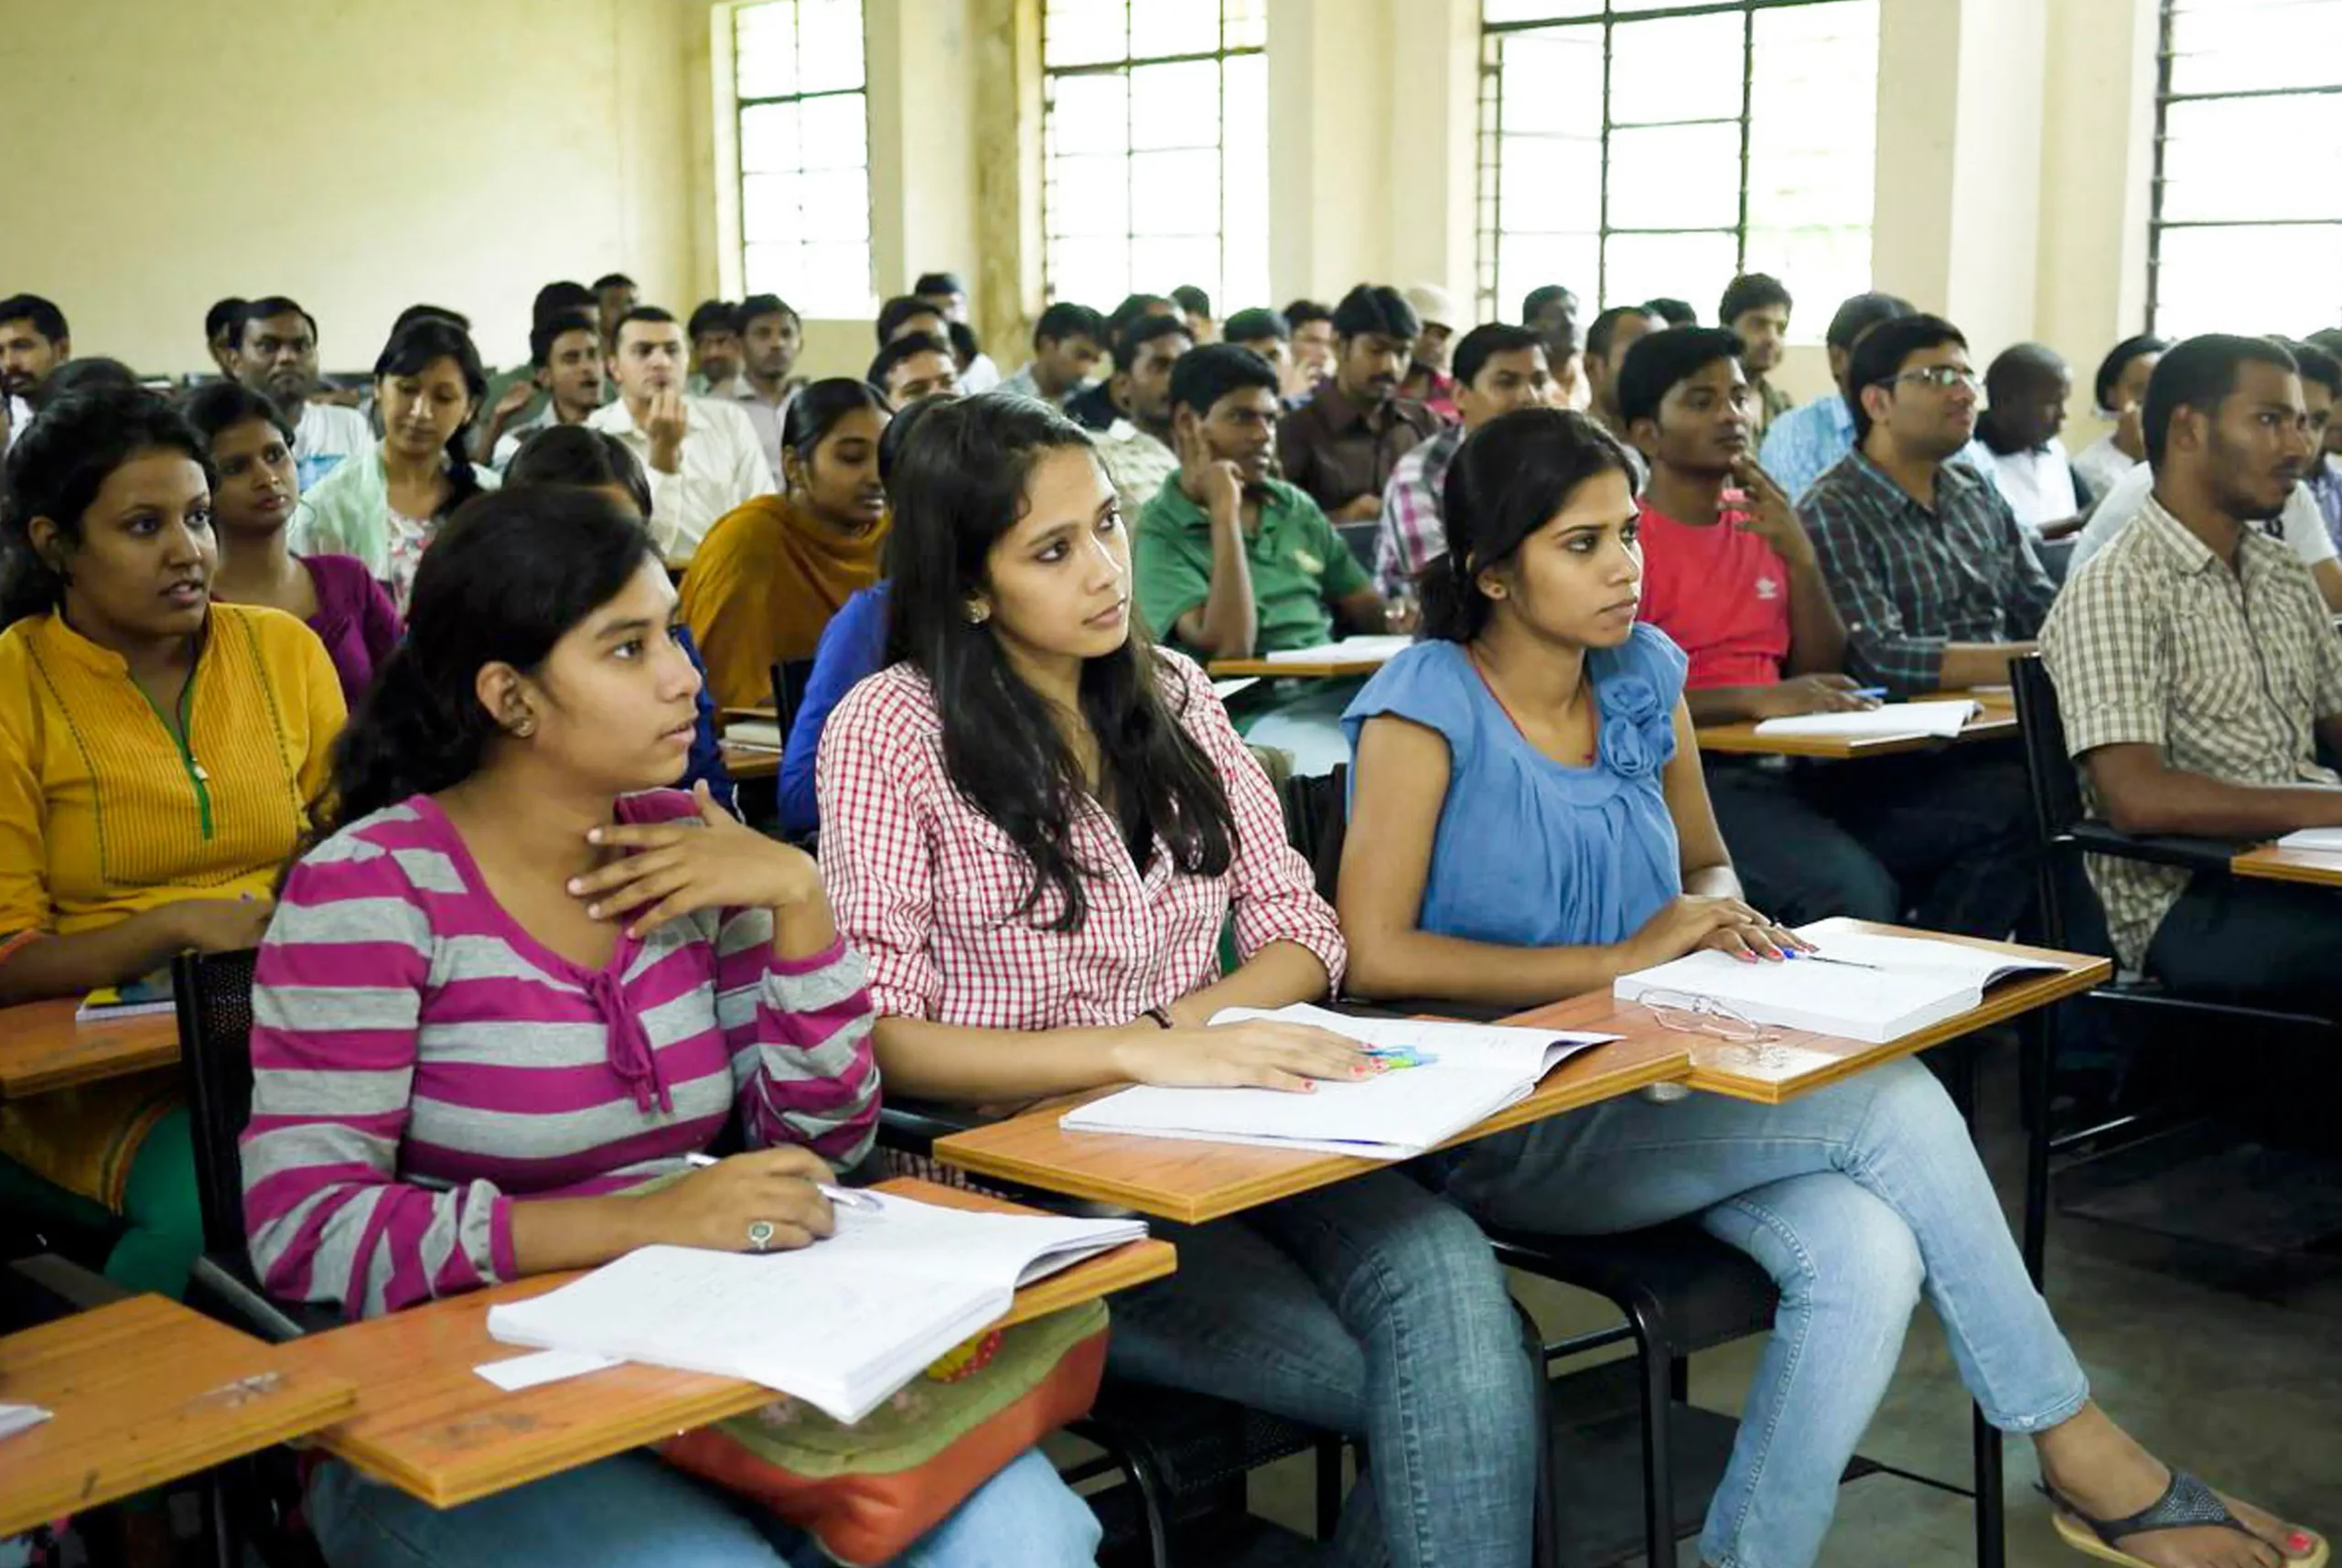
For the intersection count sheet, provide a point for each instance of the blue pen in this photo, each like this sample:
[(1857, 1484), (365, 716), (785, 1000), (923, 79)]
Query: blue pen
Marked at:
[(1877, 692)]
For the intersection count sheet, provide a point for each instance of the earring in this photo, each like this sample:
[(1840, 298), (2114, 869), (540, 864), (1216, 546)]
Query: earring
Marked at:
[(979, 614), (524, 729)]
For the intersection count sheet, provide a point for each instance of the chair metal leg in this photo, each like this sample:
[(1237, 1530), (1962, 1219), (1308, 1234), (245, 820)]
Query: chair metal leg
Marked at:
[(1545, 1542), (2037, 1056), (1679, 1380), (1658, 1454), (1329, 1486), (1991, 1521)]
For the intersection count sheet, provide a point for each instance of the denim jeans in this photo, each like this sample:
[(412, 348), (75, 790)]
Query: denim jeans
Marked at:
[(633, 1511), (1373, 1309), (1858, 1200)]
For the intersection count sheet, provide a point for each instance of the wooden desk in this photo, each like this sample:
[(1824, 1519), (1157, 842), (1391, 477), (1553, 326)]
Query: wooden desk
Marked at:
[(43, 1048), (1193, 1181), (1723, 1067), (745, 763), (144, 1392), (430, 1425), (767, 714), (1326, 670), (2321, 868), (1997, 722)]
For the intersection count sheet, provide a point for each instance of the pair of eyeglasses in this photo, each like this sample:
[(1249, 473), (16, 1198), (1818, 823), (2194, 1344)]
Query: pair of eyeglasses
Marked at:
[(1688, 1012), (1943, 378)]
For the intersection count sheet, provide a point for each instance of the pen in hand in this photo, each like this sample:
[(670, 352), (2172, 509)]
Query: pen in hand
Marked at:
[(843, 1197)]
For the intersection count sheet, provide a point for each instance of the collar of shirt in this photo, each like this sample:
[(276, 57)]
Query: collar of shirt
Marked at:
[(1278, 500), (1337, 412), (2158, 529), (1953, 483)]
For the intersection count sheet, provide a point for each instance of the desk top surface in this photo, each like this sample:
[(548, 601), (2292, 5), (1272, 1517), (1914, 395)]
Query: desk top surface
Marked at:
[(429, 1424), (43, 1046)]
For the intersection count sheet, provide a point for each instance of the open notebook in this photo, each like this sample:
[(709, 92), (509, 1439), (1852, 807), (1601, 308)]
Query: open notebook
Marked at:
[(1944, 719), (1876, 988), (133, 998), (2326, 841), (1438, 1079), (1349, 651), (840, 1325)]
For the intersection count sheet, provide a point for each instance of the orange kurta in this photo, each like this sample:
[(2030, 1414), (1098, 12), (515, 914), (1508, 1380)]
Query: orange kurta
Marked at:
[(762, 585)]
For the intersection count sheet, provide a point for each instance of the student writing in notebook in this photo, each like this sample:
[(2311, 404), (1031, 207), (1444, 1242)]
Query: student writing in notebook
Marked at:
[(515, 982), (159, 751), (1035, 825), (1529, 824)]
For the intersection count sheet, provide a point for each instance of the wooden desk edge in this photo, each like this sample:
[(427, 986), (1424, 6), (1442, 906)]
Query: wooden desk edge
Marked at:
[(1263, 669), (1312, 1169), (2274, 863)]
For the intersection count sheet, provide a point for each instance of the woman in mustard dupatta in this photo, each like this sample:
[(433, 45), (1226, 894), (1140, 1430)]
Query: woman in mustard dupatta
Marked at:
[(770, 574)]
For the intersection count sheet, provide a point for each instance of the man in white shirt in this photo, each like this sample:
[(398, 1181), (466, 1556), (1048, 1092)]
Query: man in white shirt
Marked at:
[(276, 355), (950, 297), (770, 338), (701, 455), (2026, 388)]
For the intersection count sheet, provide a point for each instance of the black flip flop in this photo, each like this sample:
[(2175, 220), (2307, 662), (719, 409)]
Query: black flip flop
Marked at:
[(2186, 1504)]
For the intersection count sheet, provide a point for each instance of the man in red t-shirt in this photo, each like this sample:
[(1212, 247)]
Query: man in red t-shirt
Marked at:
[(1729, 574)]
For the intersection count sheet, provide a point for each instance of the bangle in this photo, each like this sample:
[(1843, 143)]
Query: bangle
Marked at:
[(1160, 1016)]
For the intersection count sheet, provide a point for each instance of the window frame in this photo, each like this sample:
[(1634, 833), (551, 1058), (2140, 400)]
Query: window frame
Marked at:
[(2166, 14), (741, 172), (1488, 193), (1122, 66)]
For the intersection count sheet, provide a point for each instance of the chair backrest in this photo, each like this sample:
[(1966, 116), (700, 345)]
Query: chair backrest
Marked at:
[(213, 993), (788, 678), (2056, 788), (1317, 819), (1360, 537)]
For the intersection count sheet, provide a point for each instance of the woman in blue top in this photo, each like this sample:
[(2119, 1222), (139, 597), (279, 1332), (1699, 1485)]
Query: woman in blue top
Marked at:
[(1529, 822)]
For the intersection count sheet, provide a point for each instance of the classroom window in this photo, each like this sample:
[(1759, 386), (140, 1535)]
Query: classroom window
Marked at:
[(1156, 134), (804, 133), (2248, 94), (1632, 149)]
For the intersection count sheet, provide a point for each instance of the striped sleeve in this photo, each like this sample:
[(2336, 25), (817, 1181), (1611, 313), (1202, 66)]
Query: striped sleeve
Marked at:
[(799, 1031), (337, 997)]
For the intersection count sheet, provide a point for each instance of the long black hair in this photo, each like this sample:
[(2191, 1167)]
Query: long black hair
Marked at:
[(61, 459), (1507, 482), (578, 455), (413, 348), (815, 411), (504, 581), (958, 485)]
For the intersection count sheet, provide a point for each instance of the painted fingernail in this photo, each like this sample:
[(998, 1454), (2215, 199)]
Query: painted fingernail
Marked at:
[(592, 835), (593, 911), (2300, 1542), (577, 885)]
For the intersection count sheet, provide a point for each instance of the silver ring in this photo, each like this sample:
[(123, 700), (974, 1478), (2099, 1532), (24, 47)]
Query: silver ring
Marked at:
[(761, 1234)]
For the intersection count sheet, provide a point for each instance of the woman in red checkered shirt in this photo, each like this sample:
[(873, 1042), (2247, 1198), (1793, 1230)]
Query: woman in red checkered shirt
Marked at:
[(1034, 826)]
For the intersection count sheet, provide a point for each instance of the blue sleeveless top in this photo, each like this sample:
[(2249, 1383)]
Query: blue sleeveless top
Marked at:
[(1530, 853)]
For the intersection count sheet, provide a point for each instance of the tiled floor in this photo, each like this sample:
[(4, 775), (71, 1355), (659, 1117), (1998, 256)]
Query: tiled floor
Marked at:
[(2236, 1375)]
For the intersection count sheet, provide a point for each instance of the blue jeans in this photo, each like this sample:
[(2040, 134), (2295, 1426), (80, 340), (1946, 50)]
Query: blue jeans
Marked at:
[(633, 1511), (1858, 1200), (1373, 1309)]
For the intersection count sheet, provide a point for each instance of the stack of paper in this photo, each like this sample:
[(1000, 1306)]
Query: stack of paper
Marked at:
[(1944, 719), (840, 1325), (133, 998), (1439, 1079), (2326, 841), (754, 734), (1871, 987), (1349, 651)]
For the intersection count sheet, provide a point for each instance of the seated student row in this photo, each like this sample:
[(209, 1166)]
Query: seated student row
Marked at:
[(167, 722), (1036, 932)]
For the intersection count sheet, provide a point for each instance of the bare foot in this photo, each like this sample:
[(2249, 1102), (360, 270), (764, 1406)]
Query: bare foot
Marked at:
[(2102, 1471)]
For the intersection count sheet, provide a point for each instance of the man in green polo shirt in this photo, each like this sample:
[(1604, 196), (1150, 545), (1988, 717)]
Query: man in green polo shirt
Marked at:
[(1231, 563)]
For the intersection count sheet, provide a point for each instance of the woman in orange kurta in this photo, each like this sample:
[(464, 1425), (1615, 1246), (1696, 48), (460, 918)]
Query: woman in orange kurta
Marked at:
[(770, 574), (158, 753)]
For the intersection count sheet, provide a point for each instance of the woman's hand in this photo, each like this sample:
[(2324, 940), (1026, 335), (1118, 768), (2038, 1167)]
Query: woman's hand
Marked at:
[(1255, 1054), (1813, 695), (716, 1207), (219, 925), (1690, 921), (702, 863)]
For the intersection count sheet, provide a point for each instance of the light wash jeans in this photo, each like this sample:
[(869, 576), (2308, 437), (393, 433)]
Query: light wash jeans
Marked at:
[(634, 1512), (1857, 1200), (1374, 1309)]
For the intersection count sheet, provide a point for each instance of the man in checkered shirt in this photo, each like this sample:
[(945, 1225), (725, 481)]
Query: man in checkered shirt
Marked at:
[(2197, 667)]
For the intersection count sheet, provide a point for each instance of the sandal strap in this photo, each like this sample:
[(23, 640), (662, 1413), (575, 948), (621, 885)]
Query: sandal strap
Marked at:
[(2186, 1504)]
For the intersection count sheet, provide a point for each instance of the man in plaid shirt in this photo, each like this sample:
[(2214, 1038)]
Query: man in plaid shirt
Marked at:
[(2197, 669), (1938, 584), (1498, 368)]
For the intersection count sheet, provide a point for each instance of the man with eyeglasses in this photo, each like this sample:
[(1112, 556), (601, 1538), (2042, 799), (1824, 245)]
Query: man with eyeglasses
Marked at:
[(1938, 584), (1803, 443)]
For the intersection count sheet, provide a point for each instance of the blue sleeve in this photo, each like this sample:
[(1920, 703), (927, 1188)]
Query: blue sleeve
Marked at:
[(1655, 656), (707, 741), (853, 644), (1432, 684)]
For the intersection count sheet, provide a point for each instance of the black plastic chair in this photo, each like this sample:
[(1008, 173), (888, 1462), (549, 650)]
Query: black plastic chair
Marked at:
[(1360, 537), (788, 679)]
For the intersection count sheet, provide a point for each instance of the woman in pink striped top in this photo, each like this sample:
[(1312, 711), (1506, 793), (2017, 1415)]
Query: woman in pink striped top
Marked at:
[(516, 985)]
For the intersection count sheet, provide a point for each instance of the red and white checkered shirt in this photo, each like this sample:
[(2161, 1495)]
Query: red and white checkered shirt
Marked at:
[(926, 887)]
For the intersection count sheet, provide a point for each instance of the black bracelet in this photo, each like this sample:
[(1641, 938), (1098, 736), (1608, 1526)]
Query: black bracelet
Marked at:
[(1160, 1016)]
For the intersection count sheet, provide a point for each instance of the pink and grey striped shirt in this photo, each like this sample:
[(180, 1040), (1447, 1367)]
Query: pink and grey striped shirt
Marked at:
[(420, 1062)]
